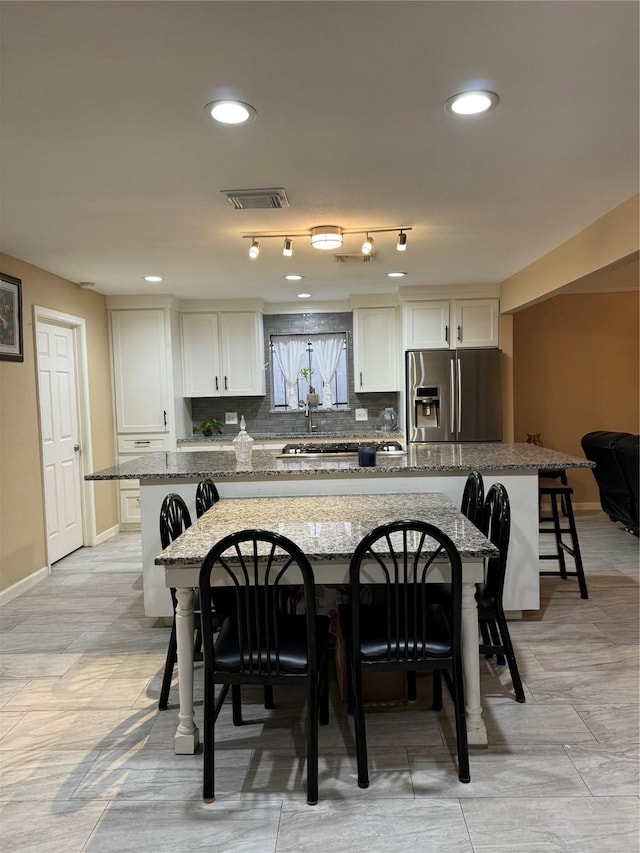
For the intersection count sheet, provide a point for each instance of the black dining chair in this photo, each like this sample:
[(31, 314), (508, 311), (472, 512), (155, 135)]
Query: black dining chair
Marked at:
[(262, 642), (206, 496), (496, 639), (174, 520), (472, 503), (472, 507), (404, 629)]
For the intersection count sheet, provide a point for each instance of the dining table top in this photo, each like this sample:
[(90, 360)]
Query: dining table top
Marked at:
[(326, 528)]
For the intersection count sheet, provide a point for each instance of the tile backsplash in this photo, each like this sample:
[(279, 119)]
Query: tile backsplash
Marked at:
[(257, 410)]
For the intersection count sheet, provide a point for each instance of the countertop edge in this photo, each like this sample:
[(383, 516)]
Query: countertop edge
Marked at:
[(222, 465)]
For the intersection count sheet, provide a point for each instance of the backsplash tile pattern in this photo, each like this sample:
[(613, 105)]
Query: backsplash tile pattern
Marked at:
[(256, 410)]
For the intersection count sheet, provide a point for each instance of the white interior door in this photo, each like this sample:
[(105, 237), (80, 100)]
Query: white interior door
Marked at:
[(57, 376)]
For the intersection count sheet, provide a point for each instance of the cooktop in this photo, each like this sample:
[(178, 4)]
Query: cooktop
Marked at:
[(340, 448)]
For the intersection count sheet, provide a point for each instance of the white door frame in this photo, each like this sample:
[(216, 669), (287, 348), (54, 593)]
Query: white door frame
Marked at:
[(78, 328)]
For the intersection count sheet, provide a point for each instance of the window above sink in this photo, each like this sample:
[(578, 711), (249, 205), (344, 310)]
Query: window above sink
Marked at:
[(309, 369)]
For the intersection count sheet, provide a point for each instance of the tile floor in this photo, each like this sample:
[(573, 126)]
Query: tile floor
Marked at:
[(87, 762)]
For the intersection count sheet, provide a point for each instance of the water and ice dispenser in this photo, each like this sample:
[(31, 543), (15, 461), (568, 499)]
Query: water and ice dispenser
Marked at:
[(426, 406)]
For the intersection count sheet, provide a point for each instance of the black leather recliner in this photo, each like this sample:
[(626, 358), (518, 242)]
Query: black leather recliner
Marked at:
[(616, 473)]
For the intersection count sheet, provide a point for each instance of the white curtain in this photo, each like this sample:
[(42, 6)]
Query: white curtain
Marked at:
[(290, 353), (327, 352)]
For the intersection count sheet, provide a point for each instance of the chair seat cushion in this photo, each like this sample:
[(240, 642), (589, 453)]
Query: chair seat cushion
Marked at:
[(375, 644), (292, 646)]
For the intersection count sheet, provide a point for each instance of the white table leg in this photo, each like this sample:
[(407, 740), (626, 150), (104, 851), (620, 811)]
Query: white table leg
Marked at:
[(186, 738), (476, 731)]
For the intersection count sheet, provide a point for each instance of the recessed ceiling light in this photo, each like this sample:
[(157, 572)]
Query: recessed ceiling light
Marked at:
[(231, 112), (471, 103), (294, 277), (152, 278), (396, 274), (304, 295)]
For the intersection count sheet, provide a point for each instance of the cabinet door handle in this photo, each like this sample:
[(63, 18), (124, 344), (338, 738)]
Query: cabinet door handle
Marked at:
[(164, 415), (226, 384), (143, 443), (361, 379), (446, 334), (217, 384), (459, 333)]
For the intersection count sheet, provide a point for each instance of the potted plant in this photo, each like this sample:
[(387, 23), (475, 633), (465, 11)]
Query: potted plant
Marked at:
[(208, 427), (312, 398)]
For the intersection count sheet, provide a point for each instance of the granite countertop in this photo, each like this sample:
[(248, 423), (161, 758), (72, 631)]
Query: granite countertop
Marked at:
[(420, 458), (318, 524)]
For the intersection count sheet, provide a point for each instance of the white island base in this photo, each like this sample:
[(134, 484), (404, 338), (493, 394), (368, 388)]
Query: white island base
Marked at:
[(522, 584)]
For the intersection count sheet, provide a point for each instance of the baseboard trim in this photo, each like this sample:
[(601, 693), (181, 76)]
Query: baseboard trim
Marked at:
[(586, 507), (16, 589), (109, 533)]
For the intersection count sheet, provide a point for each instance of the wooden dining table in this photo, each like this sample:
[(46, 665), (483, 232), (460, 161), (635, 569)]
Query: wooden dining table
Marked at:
[(327, 528)]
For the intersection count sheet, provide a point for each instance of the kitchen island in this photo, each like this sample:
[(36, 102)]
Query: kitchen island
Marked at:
[(437, 467), (328, 530)]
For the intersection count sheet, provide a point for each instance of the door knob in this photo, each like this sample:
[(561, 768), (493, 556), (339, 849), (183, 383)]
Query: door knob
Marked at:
[(76, 447)]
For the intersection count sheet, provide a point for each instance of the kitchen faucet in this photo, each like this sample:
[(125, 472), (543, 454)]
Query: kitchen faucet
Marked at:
[(308, 413)]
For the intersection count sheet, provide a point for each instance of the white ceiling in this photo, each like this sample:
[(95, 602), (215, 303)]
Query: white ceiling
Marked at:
[(111, 170)]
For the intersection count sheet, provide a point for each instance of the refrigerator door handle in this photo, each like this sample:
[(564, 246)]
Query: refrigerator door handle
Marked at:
[(459, 377), (452, 396)]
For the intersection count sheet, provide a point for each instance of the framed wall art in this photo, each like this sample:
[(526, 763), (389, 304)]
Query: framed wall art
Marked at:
[(10, 318)]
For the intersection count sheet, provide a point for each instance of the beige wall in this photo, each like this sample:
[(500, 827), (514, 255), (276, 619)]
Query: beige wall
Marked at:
[(22, 527), (605, 242), (575, 368)]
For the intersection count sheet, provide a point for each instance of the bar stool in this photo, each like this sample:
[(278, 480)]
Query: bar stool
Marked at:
[(554, 491), (552, 474)]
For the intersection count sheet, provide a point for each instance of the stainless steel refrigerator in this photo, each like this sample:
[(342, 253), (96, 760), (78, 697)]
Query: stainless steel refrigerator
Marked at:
[(454, 395)]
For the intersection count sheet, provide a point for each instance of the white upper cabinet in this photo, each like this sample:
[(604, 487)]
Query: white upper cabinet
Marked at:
[(242, 354), (427, 325), (223, 354), (201, 355), (476, 323), (141, 354), (459, 324), (375, 350)]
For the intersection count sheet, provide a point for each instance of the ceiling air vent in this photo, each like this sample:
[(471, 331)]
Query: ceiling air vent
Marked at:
[(355, 257), (270, 198)]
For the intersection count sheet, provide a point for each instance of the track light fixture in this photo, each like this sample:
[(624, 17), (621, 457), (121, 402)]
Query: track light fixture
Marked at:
[(328, 237)]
